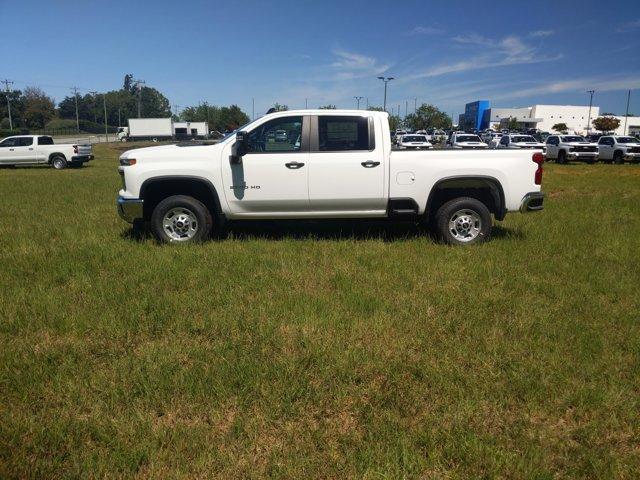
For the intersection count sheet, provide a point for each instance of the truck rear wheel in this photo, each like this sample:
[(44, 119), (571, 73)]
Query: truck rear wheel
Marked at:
[(59, 162), (181, 219), (463, 221)]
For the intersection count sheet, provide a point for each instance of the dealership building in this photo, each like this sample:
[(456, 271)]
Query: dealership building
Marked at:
[(480, 115)]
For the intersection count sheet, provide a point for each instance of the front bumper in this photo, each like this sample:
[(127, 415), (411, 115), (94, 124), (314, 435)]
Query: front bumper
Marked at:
[(130, 209), (632, 157), (582, 155), (532, 202)]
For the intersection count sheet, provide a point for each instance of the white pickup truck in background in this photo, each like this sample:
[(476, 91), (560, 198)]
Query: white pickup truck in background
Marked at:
[(467, 141), (519, 141), (616, 149), (41, 149), (343, 166), (563, 148)]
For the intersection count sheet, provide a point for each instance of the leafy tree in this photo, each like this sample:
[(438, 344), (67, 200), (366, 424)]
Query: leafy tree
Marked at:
[(606, 124), (280, 108), (327, 107), (219, 118), (375, 109), (512, 124), (17, 108), (560, 127), (428, 116), (128, 83), (395, 122), (39, 107)]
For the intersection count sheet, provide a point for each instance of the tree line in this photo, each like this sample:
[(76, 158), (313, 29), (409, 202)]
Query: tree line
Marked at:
[(32, 108)]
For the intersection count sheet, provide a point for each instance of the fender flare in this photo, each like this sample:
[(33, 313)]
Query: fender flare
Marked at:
[(167, 178), (497, 191)]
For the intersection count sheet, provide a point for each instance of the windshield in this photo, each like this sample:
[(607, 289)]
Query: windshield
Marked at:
[(467, 138), (523, 138), (414, 138), (573, 139), (627, 140)]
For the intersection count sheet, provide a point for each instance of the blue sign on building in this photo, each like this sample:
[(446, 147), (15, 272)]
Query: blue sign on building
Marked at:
[(477, 115)]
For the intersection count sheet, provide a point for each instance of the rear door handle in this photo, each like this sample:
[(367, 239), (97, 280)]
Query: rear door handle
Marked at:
[(370, 164), (294, 165)]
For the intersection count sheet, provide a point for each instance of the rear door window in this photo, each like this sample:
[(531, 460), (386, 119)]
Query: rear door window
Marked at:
[(344, 133), (45, 141)]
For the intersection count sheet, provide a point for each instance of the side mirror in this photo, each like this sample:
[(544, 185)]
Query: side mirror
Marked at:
[(239, 148)]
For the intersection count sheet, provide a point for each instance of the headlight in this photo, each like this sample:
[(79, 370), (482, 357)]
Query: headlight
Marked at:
[(127, 162)]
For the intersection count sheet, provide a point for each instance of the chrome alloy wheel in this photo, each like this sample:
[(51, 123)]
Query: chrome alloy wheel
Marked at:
[(180, 224), (465, 225)]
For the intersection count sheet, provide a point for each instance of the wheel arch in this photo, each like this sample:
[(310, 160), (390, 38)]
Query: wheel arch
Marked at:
[(485, 188), (154, 190), (56, 154)]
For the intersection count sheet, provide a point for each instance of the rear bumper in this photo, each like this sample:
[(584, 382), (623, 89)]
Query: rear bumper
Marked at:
[(81, 158), (130, 209), (532, 202)]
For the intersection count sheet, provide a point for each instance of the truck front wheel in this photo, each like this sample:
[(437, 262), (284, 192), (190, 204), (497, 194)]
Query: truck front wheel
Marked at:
[(562, 157), (463, 221), (618, 158), (181, 219)]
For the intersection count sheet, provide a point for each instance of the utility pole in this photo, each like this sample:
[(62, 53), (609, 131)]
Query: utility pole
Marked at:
[(75, 95), (591, 92), (306, 103), (253, 109), (94, 94), (626, 115), (367, 103), (139, 89), (6, 84), (406, 108), (385, 80), (104, 104), (358, 101), (415, 104), (176, 107), (119, 123)]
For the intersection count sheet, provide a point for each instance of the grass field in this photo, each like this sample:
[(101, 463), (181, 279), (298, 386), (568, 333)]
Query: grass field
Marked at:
[(321, 351)]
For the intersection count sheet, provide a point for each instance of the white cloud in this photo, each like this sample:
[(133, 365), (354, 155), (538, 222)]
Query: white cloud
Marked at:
[(541, 33), (601, 84), (422, 30), (351, 65), (629, 26)]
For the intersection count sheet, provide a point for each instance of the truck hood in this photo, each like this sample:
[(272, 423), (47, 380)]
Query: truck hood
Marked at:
[(168, 151), (527, 144)]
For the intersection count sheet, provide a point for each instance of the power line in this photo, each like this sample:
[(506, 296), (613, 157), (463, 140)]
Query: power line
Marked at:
[(6, 84)]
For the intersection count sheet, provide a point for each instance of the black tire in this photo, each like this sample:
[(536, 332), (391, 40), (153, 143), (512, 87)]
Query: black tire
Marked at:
[(59, 162), (184, 229), (618, 159), (562, 157), (464, 208)]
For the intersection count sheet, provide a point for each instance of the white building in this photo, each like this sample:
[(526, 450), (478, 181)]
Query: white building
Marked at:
[(633, 126), (544, 117)]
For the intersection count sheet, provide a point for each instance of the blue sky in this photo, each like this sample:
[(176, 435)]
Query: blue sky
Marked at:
[(445, 53)]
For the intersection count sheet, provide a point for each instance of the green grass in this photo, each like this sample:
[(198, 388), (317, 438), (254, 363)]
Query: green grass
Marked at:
[(365, 352)]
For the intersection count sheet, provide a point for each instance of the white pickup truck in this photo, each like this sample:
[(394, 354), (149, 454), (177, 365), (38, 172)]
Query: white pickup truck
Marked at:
[(342, 167), (519, 141), (563, 148), (612, 148), (40, 149), (466, 141)]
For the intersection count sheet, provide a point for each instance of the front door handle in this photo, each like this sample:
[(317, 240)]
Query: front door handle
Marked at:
[(294, 165), (31, 149), (11, 149), (370, 164)]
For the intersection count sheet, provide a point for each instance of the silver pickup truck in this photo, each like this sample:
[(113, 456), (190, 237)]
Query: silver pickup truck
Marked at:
[(40, 149)]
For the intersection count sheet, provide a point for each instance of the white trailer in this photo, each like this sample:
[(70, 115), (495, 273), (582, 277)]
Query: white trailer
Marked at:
[(150, 128), (190, 130)]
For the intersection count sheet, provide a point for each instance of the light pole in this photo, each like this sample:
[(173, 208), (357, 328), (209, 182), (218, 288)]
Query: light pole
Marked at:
[(590, 92), (104, 104), (415, 104), (358, 101), (626, 115), (385, 80)]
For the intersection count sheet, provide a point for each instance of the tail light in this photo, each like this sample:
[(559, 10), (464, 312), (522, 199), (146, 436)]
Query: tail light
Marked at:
[(75, 149), (538, 158)]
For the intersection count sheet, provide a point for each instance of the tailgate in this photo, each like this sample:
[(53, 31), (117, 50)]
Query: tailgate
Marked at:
[(84, 150)]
